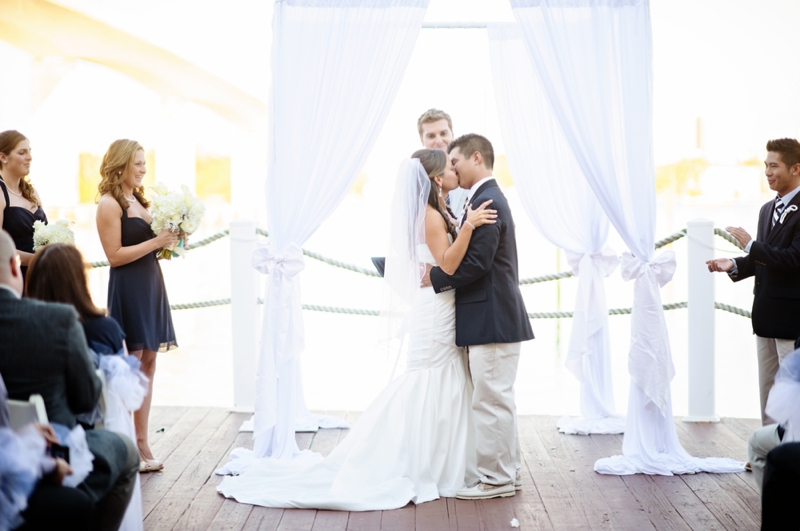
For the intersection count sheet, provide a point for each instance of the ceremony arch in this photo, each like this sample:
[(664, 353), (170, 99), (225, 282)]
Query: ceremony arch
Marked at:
[(584, 122)]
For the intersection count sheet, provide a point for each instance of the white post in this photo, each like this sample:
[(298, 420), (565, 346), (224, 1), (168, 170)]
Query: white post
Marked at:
[(244, 312), (700, 236)]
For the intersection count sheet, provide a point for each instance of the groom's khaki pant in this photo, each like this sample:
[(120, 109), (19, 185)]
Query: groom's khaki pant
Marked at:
[(493, 369)]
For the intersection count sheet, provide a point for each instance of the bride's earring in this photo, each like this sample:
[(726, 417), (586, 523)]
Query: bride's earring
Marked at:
[(440, 190)]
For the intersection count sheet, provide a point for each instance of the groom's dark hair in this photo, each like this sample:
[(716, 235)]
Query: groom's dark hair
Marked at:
[(470, 143)]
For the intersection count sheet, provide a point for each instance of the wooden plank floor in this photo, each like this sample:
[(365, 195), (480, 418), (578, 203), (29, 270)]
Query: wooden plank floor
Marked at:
[(560, 489)]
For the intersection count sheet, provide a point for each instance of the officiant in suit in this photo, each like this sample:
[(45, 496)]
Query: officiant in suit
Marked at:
[(774, 260), (491, 320), (43, 351)]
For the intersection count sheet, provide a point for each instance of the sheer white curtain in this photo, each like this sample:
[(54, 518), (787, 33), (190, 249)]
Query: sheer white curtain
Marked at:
[(594, 60), (336, 68), (560, 202)]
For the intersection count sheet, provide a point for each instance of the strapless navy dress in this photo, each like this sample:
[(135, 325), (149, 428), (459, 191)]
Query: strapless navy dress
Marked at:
[(18, 222), (137, 297)]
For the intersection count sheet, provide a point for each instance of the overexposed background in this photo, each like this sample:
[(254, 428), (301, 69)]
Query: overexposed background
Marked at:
[(722, 87)]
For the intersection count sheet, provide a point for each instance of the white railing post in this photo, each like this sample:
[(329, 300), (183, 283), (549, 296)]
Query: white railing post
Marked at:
[(244, 312), (700, 243)]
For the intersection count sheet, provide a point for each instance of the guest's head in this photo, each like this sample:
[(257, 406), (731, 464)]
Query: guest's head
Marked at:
[(15, 162), (435, 129), (10, 272), (437, 165), (123, 168), (782, 165), (472, 157), (57, 273)]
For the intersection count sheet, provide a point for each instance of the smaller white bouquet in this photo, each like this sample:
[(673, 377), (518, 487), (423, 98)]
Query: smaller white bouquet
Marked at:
[(54, 232), (175, 211)]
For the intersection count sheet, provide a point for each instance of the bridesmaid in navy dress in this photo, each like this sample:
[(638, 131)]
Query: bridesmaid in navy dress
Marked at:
[(137, 297), (20, 205)]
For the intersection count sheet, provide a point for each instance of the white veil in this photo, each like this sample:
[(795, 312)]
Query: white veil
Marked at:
[(404, 268)]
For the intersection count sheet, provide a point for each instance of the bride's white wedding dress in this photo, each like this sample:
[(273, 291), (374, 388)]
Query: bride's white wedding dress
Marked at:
[(414, 443)]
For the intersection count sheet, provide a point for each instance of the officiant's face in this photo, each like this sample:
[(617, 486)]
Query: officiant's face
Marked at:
[(436, 135)]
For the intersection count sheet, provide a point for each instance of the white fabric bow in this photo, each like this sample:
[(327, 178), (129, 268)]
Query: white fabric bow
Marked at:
[(663, 267), (289, 262), (605, 261), (650, 360)]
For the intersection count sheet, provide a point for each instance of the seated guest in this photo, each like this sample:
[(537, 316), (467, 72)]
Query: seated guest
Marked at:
[(781, 488), (43, 350), (783, 405), (31, 491), (57, 274)]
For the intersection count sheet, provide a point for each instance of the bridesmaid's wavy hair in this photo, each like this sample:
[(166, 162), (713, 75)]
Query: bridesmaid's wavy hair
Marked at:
[(434, 161), (117, 161), (9, 140), (57, 273)]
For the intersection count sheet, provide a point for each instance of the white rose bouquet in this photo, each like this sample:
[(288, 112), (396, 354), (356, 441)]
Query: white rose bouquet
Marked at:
[(55, 232), (175, 211)]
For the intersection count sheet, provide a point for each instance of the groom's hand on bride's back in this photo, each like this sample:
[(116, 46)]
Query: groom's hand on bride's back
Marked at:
[(426, 278)]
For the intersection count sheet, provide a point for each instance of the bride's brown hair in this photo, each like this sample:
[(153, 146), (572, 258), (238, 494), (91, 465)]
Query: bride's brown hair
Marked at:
[(434, 161), (115, 166)]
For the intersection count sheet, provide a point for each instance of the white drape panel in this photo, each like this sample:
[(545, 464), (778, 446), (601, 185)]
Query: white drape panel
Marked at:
[(336, 68), (594, 60), (560, 202)]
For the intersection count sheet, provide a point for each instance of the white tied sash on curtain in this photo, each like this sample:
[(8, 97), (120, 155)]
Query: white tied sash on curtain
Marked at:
[(563, 207), (336, 68), (594, 60)]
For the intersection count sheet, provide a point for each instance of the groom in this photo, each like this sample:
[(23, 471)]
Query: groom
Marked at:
[(491, 320)]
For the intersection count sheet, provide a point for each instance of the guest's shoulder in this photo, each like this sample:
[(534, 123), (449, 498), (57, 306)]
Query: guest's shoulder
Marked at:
[(103, 323), (49, 311)]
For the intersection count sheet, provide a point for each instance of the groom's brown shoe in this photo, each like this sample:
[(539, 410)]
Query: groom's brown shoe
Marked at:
[(484, 491)]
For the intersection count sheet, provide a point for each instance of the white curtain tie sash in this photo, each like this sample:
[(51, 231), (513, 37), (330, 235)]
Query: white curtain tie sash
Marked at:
[(289, 262), (604, 261), (591, 313), (650, 361), (662, 266)]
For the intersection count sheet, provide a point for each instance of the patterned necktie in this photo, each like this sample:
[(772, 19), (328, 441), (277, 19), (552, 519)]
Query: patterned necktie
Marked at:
[(779, 207), (464, 210)]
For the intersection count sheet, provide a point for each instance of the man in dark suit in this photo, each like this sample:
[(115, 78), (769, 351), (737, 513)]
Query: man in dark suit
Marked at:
[(491, 320), (774, 259), (43, 351)]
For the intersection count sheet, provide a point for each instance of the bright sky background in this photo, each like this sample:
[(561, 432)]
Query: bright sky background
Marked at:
[(726, 61)]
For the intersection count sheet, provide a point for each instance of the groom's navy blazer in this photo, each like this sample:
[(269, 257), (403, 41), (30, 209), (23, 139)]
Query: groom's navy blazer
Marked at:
[(774, 260), (489, 306)]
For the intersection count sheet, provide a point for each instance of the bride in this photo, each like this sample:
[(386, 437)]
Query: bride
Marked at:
[(415, 442)]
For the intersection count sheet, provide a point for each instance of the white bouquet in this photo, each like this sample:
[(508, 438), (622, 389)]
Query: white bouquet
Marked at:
[(54, 232), (175, 211)]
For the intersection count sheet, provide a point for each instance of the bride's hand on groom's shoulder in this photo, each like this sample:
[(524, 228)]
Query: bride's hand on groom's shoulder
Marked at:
[(481, 215)]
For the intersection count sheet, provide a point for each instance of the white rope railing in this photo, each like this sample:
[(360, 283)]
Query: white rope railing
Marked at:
[(532, 315)]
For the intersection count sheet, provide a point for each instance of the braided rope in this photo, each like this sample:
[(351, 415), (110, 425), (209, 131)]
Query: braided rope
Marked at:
[(671, 238), (195, 245), (732, 309), (533, 315), (210, 239), (546, 278), (726, 236), (195, 305)]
